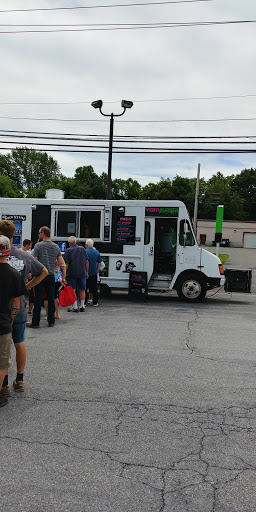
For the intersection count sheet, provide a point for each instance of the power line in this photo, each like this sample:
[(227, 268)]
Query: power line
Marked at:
[(130, 27), (135, 101), (126, 144), (127, 121), (122, 140), (120, 137), (104, 6), (196, 98), (132, 151)]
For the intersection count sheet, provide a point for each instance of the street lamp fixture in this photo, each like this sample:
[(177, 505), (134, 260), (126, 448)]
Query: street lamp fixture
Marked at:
[(126, 104), (98, 104)]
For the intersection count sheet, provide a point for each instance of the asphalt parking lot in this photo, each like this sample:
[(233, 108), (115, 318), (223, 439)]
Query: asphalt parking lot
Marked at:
[(133, 407)]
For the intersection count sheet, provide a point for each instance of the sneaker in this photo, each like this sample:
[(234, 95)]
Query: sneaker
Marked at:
[(70, 309), (82, 310), (89, 302), (95, 305), (51, 325), (33, 326), (5, 391), (18, 386), (3, 401), (75, 310)]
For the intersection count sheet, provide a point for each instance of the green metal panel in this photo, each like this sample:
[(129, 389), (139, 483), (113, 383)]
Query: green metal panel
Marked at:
[(219, 218)]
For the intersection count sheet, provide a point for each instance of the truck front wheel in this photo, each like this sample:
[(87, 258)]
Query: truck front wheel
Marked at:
[(191, 288)]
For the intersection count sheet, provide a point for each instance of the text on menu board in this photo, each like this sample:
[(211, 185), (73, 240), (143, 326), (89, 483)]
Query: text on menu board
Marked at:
[(138, 284), (125, 230)]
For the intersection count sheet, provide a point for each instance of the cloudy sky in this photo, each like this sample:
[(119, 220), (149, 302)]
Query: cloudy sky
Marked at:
[(184, 81)]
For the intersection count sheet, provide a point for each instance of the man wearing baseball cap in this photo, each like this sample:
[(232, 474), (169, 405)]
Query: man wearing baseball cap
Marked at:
[(11, 289)]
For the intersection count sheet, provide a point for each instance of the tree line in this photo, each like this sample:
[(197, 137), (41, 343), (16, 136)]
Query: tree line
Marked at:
[(28, 173)]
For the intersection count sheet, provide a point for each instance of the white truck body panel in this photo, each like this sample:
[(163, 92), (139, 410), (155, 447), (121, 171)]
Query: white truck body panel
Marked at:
[(157, 244)]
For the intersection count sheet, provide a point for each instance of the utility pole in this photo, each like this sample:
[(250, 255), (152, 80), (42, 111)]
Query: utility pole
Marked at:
[(196, 199), (110, 152)]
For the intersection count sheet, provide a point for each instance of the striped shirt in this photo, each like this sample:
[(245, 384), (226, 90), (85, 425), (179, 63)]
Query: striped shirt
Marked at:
[(46, 252)]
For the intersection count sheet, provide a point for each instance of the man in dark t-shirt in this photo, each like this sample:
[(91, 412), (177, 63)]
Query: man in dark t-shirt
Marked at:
[(11, 289)]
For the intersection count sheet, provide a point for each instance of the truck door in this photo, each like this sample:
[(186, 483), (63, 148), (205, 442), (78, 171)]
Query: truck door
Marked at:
[(149, 246), (188, 254)]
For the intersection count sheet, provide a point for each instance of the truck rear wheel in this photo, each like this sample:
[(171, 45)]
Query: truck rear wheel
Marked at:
[(191, 288)]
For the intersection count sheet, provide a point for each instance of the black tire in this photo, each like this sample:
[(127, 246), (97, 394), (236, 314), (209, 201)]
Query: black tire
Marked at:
[(191, 288)]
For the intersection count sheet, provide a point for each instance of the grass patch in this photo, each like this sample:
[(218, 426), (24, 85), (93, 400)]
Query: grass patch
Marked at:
[(223, 257)]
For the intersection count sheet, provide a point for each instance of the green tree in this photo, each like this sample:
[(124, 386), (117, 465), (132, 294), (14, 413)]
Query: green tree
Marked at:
[(29, 168), (158, 191), (58, 182), (86, 184), (244, 184), (8, 187), (7, 169), (233, 203), (126, 189), (184, 189)]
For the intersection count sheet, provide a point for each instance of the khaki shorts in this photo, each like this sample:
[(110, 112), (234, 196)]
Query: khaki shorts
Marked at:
[(5, 351)]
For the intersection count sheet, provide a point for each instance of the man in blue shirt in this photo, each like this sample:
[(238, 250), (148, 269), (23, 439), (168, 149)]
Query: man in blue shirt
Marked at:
[(94, 268), (76, 260)]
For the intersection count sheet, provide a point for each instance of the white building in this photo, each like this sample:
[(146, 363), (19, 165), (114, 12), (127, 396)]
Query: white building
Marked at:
[(239, 234)]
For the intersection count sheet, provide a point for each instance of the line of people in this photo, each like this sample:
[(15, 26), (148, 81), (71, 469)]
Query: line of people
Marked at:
[(81, 266)]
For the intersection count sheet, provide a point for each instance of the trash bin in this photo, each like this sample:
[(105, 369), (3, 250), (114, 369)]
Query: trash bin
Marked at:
[(238, 280), (224, 242)]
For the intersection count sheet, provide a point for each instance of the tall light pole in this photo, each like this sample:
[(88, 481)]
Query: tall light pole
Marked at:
[(98, 104)]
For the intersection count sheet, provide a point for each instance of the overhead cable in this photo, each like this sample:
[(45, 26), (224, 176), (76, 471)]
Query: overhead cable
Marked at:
[(186, 137), (140, 4), (124, 140), (127, 121), (130, 27), (135, 101), (164, 151)]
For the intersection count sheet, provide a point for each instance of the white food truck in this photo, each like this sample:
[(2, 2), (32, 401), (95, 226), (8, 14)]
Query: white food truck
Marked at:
[(155, 237)]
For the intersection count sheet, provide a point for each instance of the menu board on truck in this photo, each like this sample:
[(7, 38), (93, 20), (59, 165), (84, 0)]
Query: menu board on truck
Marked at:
[(125, 230)]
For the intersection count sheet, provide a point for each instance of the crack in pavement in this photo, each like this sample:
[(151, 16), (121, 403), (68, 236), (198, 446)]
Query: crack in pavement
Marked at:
[(192, 348), (176, 452), (189, 336)]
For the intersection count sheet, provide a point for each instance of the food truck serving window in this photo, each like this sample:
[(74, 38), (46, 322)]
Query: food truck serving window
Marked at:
[(82, 224), (89, 224), (65, 223)]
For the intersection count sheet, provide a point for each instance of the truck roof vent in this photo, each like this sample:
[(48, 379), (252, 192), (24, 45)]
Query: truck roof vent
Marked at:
[(54, 193)]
